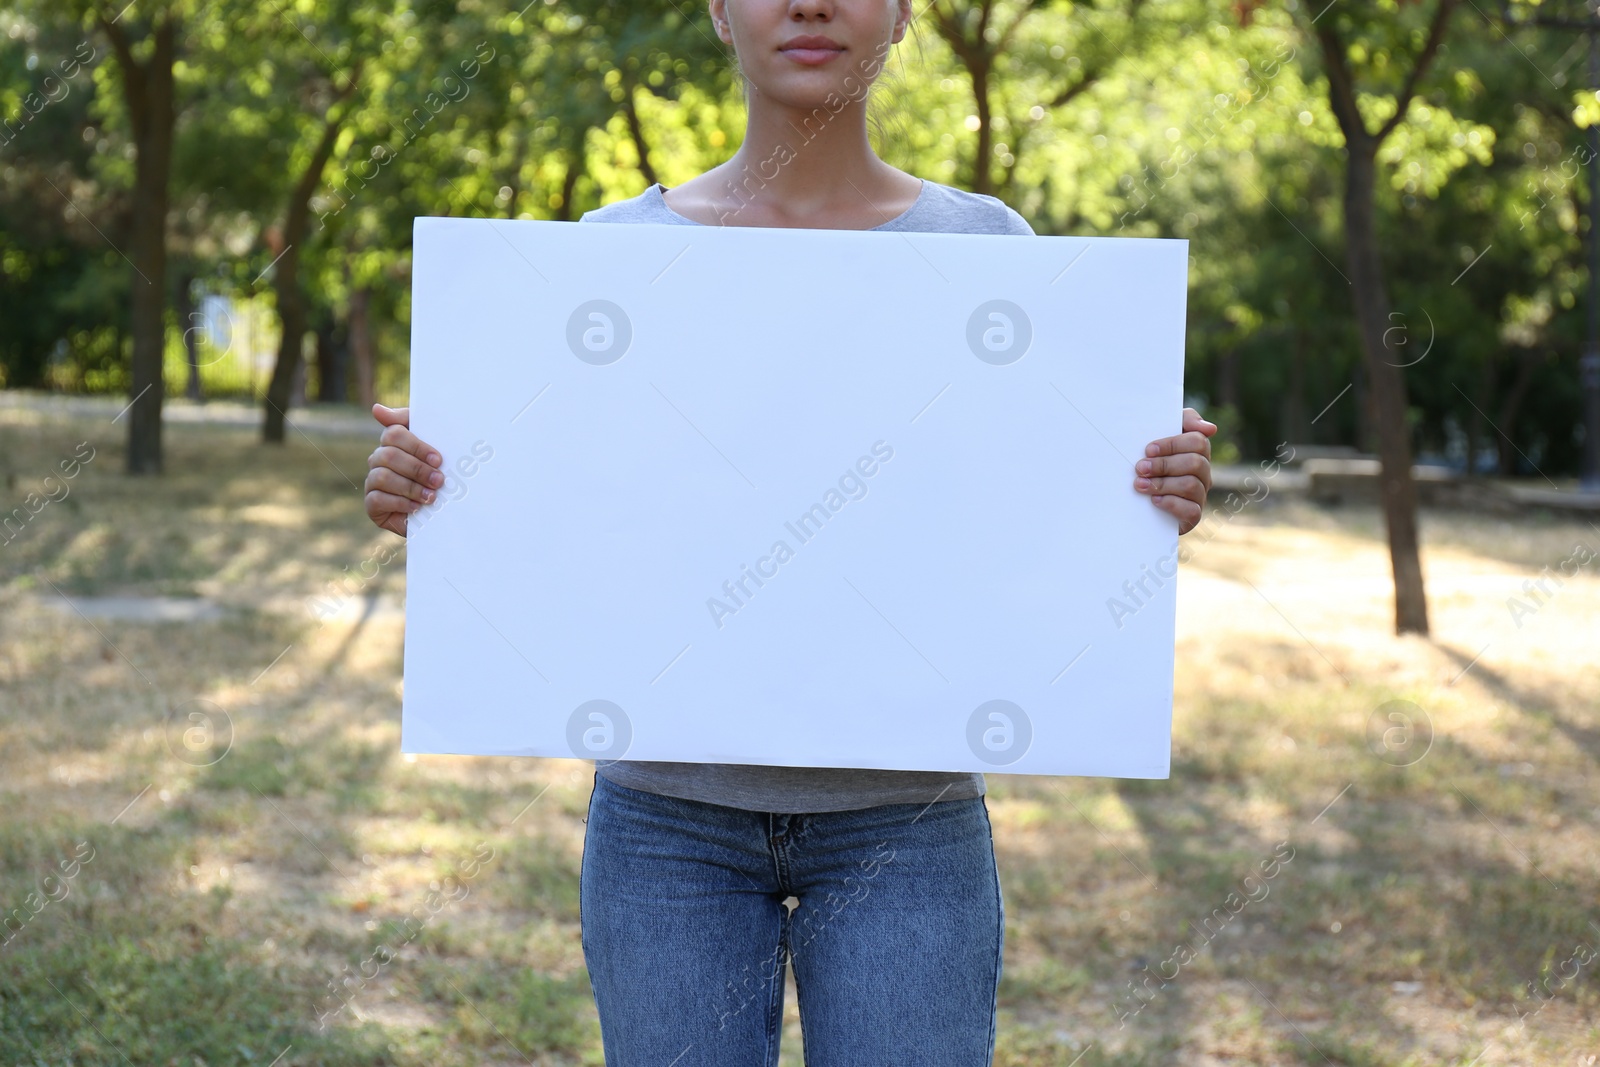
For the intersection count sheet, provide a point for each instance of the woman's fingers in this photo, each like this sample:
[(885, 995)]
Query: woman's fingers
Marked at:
[(396, 484), (1193, 421), (1159, 467), (381, 504), (394, 524), (393, 521), (392, 416), (1186, 510), (389, 511), (1176, 471), (1185, 485), (402, 438), (405, 464), (403, 471), (1192, 441)]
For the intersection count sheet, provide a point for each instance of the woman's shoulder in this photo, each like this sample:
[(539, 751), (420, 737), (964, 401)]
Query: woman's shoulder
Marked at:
[(648, 206), (962, 211)]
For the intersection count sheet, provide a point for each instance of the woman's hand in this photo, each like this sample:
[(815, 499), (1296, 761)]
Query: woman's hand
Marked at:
[(1177, 471), (404, 471)]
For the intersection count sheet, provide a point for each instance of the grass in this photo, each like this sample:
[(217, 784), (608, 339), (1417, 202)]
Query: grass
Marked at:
[(266, 879)]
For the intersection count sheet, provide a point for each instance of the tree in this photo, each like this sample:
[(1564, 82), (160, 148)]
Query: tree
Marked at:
[(148, 90), (1382, 34), (980, 43), (286, 279)]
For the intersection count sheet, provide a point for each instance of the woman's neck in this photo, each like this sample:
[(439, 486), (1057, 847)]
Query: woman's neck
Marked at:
[(808, 167)]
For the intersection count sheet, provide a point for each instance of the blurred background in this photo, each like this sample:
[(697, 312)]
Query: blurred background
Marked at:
[(211, 849)]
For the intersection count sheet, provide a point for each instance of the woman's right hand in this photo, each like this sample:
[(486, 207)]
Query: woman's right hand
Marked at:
[(404, 471)]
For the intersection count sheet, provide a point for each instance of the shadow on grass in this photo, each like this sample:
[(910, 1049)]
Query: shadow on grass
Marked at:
[(1410, 893), (1533, 703)]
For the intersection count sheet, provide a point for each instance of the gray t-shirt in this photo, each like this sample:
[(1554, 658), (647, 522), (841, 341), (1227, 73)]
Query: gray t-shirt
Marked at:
[(938, 209)]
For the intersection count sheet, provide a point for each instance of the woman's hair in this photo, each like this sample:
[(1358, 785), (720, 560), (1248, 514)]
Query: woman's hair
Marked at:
[(886, 124)]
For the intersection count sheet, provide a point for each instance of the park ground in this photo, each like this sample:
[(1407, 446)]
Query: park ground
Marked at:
[(1433, 897)]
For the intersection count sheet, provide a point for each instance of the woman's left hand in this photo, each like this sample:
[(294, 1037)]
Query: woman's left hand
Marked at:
[(1176, 471)]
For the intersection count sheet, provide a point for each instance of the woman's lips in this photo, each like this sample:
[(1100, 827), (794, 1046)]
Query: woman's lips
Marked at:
[(812, 57)]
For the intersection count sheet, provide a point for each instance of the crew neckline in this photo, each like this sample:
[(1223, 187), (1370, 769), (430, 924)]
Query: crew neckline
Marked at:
[(922, 194)]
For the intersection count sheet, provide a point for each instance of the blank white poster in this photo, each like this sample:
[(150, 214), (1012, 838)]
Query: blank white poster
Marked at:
[(813, 498)]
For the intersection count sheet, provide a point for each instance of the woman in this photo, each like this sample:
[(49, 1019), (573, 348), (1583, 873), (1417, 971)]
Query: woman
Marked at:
[(700, 882)]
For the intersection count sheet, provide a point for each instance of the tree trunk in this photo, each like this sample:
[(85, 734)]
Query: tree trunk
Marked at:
[(148, 89), (636, 130), (361, 345), (190, 323), (1366, 414), (967, 34), (1475, 431), (1295, 425), (1385, 382), (330, 360), (1228, 378), (286, 279), (297, 386), (982, 179), (324, 352), (1510, 408), (569, 183), (292, 319), (519, 156), (1387, 386)]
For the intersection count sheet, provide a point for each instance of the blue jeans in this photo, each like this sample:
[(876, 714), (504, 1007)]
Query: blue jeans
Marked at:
[(895, 942)]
